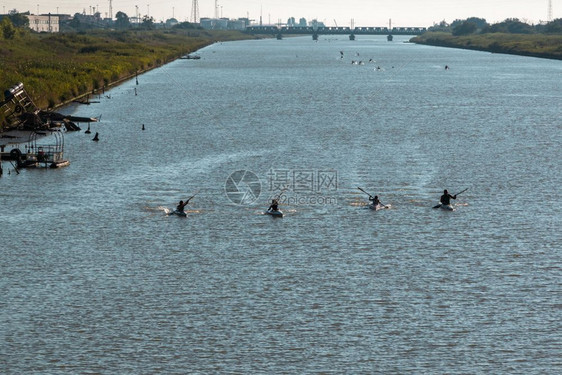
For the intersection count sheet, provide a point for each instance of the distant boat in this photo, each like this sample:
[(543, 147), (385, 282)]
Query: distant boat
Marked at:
[(190, 57)]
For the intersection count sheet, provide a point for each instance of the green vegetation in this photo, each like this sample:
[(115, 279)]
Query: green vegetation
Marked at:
[(56, 68), (510, 36), (537, 45)]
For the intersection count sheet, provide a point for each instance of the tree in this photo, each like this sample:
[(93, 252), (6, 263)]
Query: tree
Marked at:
[(122, 21), (147, 23), (19, 19), (7, 28), (465, 28), (554, 27), (479, 22), (185, 25), (442, 26), (512, 26)]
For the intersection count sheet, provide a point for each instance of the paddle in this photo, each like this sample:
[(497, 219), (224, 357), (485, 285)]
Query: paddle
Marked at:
[(439, 205), (461, 192), (188, 199), (370, 196)]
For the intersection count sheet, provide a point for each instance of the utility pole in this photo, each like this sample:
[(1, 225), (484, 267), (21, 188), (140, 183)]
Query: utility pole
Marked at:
[(549, 16), (110, 9)]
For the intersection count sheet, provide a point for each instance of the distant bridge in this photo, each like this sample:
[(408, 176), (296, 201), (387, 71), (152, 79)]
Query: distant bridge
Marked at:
[(315, 31)]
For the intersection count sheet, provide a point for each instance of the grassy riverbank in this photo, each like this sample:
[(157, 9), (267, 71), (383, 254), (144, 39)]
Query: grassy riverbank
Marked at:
[(56, 68), (537, 45)]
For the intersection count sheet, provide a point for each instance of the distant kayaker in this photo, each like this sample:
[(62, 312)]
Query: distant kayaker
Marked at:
[(181, 205), (274, 205), (375, 200), (446, 198)]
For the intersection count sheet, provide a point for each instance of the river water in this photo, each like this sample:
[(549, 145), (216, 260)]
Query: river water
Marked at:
[(96, 278)]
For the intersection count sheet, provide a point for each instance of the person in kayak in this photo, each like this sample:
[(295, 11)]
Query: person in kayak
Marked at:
[(274, 205), (181, 205), (375, 200), (446, 198)]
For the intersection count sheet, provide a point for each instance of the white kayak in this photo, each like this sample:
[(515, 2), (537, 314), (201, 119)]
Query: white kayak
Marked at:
[(378, 206), (178, 213), (274, 213), (447, 207)]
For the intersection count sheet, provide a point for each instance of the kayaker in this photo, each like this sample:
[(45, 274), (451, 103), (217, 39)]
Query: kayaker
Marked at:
[(274, 205), (375, 200), (446, 198), (182, 205)]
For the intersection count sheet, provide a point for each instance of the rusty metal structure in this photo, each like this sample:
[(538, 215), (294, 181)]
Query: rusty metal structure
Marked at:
[(19, 111)]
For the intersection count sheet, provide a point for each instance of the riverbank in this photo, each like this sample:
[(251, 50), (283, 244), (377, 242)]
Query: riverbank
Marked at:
[(535, 45), (59, 68)]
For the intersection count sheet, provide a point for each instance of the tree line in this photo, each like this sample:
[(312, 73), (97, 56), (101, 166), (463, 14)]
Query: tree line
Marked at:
[(475, 25)]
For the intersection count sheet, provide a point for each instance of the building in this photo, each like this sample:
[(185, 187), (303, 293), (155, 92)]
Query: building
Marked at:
[(224, 23), (44, 23)]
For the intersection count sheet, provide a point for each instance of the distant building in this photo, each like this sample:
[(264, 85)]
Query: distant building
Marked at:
[(44, 23), (316, 24), (239, 24), (292, 22), (224, 23)]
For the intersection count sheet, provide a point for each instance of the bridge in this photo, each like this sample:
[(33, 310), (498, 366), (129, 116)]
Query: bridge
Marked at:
[(334, 30)]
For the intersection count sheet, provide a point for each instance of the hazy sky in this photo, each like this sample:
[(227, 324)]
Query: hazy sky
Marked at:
[(364, 12)]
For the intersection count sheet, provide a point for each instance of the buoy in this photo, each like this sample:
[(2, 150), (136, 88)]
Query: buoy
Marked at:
[(96, 138), (142, 126)]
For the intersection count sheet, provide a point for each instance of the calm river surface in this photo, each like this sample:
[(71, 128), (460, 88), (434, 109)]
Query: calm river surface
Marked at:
[(96, 278)]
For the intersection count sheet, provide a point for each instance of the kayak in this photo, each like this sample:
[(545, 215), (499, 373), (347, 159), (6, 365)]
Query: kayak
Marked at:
[(447, 207), (274, 213), (178, 213), (378, 207)]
